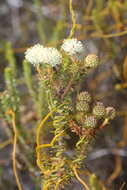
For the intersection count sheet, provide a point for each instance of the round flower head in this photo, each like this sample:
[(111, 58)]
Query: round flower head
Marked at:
[(51, 56), (90, 122), (91, 61), (73, 47), (82, 106), (84, 96), (34, 54), (99, 110)]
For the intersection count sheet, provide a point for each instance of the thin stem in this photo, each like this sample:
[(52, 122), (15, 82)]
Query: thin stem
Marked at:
[(73, 19), (14, 148), (79, 179), (5, 143), (58, 183), (104, 123), (110, 35), (67, 88), (39, 128)]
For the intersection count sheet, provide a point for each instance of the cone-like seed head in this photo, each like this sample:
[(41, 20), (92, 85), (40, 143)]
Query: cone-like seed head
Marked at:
[(82, 106), (91, 61), (90, 122), (74, 68), (99, 110), (110, 112), (84, 96)]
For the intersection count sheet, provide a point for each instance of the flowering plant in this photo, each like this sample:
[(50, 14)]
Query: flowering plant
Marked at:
[(69, 111)]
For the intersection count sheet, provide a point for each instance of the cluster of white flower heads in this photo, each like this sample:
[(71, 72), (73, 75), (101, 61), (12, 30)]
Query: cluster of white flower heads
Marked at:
[(38, 54), (42, 55), (73, 47)]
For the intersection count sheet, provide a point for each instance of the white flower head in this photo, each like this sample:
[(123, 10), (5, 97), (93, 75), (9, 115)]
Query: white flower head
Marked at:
[(41, 55), (73, 47), (51, 56), (34, 54)]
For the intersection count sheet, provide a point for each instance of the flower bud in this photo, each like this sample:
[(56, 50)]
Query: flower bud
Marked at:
[(110, 112), (91, 61), (99, 110), (90, 122), (74, 68)]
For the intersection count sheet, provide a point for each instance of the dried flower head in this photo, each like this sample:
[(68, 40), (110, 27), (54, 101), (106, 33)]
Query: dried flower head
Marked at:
[(34, 54), (90, 122), (73, 47), (84, 96), (110, 112), (99, 110), (82, 106), (91, 61), (51, 56)]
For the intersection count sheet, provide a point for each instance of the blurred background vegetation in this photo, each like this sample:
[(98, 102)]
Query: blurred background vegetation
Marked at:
[(102, 26)]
